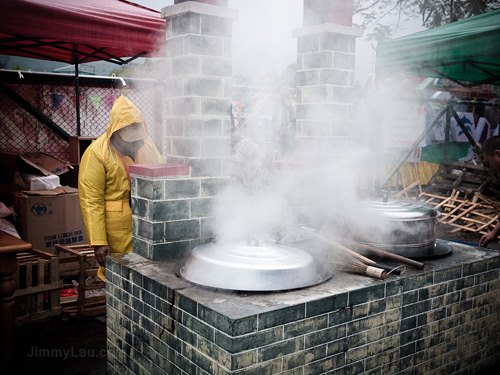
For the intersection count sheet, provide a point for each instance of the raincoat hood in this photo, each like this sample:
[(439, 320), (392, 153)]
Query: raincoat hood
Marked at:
[(123, 113)]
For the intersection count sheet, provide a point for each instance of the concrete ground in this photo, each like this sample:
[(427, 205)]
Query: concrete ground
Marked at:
[(62, 345)]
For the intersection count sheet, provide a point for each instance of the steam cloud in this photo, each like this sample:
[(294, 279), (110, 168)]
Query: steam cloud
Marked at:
[(282, 186)]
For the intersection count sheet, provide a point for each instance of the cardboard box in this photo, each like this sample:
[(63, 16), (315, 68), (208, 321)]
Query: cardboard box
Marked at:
[(46, 218), (41, 163), (12, 166)]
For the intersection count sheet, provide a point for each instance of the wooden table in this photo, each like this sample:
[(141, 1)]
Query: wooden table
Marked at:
[(9, 246)]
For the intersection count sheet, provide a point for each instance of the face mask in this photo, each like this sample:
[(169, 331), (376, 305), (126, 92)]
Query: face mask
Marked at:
[(126, 148)]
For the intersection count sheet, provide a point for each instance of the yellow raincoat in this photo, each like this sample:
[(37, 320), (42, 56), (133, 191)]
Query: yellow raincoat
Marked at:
[(103, 183)]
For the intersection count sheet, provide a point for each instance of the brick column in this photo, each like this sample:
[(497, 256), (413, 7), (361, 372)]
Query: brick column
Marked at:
[(197, 99), (318, 12), (325, 81), (325, 76), (170, 210)]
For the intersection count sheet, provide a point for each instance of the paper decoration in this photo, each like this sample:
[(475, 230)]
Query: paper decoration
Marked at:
[(96, 101), (73, 97), (110, 99), (56, 100)]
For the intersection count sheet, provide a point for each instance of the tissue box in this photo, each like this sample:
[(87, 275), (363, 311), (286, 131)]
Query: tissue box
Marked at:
[(37, 183)]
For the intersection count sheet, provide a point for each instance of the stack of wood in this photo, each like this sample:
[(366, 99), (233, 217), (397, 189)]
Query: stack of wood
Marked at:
[(478, 213), (467, 195)]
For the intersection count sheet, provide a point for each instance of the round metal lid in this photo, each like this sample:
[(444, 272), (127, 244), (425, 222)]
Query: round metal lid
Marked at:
[(253, 266)]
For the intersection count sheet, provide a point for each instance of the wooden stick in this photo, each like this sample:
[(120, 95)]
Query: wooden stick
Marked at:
[(362, 258), (343, 248), (374, 250), (492, 220), (389, 255), (417, 171), (373, 267), (443, 202), (407, 189), (466, 211)]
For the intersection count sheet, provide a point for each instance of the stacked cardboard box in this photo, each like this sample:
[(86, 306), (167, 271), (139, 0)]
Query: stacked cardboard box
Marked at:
[(43, 217)]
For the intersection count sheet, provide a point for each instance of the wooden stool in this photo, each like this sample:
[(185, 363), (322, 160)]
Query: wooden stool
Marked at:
[(87, 266), (37, 286)]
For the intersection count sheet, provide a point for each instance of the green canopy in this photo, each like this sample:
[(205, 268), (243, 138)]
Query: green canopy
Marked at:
[(466, 52)]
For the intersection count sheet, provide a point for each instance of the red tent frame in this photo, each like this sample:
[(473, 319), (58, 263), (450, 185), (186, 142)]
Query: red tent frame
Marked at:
[(80, 31)]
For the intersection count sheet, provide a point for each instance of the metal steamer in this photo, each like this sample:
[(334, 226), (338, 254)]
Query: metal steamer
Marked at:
[(253, 266), (406, 228)]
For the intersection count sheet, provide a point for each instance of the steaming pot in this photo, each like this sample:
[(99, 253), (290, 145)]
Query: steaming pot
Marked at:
[(405, 228)]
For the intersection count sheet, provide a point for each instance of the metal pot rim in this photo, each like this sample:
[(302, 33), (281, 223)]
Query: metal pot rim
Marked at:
[(399, 209), (241, 266)]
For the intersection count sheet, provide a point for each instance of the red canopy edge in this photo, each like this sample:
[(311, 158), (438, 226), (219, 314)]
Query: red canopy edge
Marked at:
[(81, 31)]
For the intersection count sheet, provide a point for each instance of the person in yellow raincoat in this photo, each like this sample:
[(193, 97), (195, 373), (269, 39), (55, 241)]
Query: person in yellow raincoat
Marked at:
[(104, 180)]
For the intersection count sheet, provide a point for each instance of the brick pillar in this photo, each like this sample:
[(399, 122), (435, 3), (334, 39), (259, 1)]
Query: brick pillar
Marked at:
[(197, 99), (318, 12), (325, 81), (170, 210), (325, 76)]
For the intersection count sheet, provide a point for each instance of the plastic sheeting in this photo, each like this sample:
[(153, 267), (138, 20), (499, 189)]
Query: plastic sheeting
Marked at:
[(463, 51)]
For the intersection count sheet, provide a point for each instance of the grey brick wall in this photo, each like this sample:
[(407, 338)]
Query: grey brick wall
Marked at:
[(170, 213), (199, 53), (325, 81), (440, 321)]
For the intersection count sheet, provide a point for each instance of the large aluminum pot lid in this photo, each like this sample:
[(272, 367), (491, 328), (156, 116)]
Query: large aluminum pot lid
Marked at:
[(399, 210), (254, 266)]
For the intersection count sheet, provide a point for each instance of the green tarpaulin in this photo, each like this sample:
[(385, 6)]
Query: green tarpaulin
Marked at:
[(463, 51)]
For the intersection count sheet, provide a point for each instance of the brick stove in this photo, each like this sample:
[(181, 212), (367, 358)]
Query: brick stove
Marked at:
[(440, 320)]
